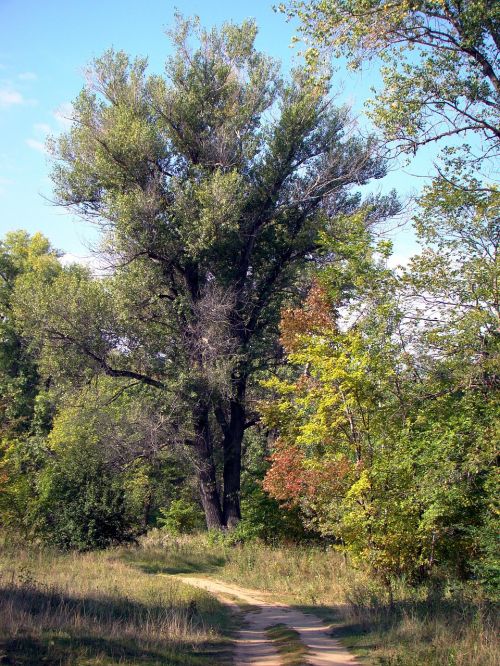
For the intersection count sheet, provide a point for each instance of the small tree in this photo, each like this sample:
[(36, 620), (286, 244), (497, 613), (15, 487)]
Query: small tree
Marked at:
[(388, 412), (211, 186)]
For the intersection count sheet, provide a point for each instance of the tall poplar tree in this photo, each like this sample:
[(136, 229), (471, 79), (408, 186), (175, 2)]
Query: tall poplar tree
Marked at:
[(211, 185)]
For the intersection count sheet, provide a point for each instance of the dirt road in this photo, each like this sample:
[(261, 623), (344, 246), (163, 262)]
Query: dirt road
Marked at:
[(252, 644)]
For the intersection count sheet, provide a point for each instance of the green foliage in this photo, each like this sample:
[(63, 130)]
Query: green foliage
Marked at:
[(264, 519), (26, 406), (23, 258), (81, 504), (98, 477), (440, 64), (181, 517), (212, 186), (105, 457), (388, 414)]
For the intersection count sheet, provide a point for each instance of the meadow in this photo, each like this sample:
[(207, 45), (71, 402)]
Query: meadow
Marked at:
[(94, 609), (125, 606)]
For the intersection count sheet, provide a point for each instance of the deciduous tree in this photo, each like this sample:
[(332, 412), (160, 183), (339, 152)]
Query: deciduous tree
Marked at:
[(440, 64), (211, 186)]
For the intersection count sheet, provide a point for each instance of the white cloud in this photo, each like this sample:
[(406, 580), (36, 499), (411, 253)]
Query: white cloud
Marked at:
[(37, 145), (64, 114), (10, 98), (27, 76)]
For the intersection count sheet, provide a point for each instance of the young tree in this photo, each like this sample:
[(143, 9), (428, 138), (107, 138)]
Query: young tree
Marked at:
[(211, 186), (388, 427)]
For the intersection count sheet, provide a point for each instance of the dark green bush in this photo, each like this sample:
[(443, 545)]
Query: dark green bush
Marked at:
[(81, 504)]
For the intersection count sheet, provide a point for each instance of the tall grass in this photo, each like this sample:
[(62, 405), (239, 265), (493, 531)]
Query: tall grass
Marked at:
[(429, 625), (110, 608), (94, 609)]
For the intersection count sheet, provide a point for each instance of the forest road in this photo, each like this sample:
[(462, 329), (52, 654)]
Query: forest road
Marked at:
[(253, 647)]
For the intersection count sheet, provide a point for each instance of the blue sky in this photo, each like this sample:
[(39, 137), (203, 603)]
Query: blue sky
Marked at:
[(44, 48)]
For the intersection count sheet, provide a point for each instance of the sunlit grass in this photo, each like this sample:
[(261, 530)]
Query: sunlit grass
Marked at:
[(287, 641), (96, 609), (110, 608)]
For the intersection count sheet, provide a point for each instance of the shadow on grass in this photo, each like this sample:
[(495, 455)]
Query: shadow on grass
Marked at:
[(49, 627), (28, 651), (366, 629), (52, 650), (177, 565)]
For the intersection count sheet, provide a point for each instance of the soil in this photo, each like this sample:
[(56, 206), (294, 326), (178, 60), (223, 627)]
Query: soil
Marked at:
[(252, 644)]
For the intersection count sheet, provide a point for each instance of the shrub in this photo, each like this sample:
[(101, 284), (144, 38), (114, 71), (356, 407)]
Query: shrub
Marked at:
[(181, 517), (81, 504)]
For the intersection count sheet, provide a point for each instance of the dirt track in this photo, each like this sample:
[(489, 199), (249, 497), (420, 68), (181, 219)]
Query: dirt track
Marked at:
[(252, 644)]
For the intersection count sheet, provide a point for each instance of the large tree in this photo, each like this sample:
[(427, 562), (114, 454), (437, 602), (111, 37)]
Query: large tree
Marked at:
[(211, 185)]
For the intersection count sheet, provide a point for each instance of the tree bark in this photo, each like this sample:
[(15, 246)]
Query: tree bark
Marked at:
[(207, 478), (232, 464)]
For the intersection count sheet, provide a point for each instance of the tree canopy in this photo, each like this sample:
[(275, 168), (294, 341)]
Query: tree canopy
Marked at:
[(440, 65)]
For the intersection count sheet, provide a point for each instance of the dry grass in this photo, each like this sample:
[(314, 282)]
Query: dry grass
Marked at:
[(110, 608), (456, 627), (94, 609)]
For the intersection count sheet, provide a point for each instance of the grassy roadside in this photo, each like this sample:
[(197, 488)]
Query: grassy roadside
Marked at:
[(452, 626), (100, 609), (96, 610)]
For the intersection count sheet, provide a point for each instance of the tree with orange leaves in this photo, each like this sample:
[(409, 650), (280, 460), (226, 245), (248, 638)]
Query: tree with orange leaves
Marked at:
[(387, 411)]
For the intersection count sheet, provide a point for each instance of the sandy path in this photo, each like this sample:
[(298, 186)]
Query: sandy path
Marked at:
[(253, 646)]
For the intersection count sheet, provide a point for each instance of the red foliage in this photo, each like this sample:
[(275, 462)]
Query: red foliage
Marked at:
[(284, 479), (288, 480)]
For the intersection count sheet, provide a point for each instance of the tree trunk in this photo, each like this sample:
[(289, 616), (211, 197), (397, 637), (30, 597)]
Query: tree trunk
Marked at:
[(232, 464), (207, 478)]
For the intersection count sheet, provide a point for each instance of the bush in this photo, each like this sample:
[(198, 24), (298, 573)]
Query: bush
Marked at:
[(263, 520), (181, 517), (81, 504)]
